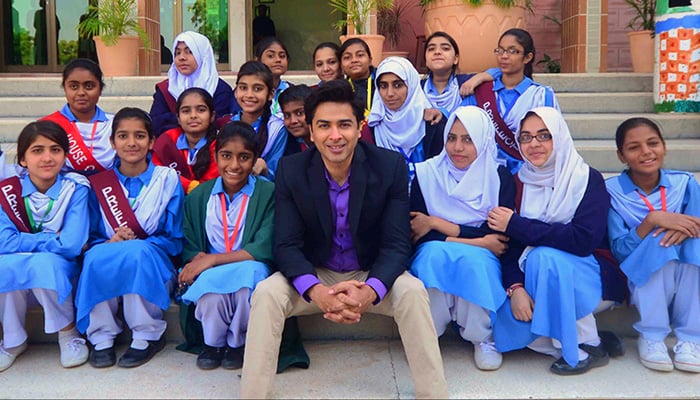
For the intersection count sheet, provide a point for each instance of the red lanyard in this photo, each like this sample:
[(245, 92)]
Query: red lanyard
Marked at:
[(662, 189), (230, 241), (92, 135)]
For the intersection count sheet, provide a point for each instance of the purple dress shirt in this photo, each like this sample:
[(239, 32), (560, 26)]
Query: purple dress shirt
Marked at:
[(343, 257)]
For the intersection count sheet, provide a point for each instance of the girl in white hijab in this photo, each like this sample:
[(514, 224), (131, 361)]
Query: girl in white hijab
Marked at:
[(396, 116), (458, 255), (194, 65), (555, 284)]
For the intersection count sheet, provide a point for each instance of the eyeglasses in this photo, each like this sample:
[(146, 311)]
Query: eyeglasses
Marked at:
[(541, 137), (499, 51)]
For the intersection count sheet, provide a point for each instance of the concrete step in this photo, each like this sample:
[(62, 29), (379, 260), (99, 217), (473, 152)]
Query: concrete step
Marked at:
[(351, 369), (13, 86), (603, 125), (622, 102), (315, 327), (681, 154), (36, 106)]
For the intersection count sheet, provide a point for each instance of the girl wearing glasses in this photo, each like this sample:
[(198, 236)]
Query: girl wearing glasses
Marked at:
[(511, 95), (556, 281), (654, 226)]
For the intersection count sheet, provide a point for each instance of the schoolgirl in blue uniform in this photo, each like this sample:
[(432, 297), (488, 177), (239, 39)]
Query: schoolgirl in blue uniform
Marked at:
[(396, 117), (42, 232), (512, 95), (555, 284), (254, 92), (273, 53), (136, 227), (458, 255), (228, 230), (443, 85), (88, 127), (654, 229)]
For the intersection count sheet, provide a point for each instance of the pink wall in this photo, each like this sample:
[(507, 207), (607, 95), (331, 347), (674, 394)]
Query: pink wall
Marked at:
[(545, 32)]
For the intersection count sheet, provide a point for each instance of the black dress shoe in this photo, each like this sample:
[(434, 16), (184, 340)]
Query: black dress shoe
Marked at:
[(103, 358), (233, 358), (612, 344), (210, 357), (597, 357), (134, 357)]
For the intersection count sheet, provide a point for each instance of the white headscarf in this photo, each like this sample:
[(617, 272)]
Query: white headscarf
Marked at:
[(463, 196), (205, 76), (553, 192), (404, 128)]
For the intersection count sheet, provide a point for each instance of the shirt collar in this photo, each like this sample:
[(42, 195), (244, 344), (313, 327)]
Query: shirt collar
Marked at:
[(520, 87), (332, 185), (247, 189), (256, 123), (144, 178), (28, 187), (99, 114), (430, 87), (628, 186), (182, 144)]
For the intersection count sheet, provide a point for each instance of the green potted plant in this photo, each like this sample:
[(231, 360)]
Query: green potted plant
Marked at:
[(117, 33), (389, 25), (356, 18), (478, 28), (642, 35)]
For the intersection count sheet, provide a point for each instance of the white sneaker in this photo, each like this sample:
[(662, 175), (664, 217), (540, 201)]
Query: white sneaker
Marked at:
[(687, 356), (74, 352), (486, 356), (8, 356), (654, 355)]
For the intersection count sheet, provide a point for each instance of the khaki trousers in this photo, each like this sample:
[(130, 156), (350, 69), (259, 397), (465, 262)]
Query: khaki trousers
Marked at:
[(274, 299)]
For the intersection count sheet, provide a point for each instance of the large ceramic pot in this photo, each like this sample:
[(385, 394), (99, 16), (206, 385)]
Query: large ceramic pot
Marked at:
[(476, 29), (375, 43), (120, 59), (642, 50)]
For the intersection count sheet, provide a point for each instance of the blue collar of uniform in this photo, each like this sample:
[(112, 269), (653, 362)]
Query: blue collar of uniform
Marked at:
[(247, 189), (520, 87), (28, 187), (182, 144), (144, 178), (256, 123), (430, 87), (281, 87), (628, 186), (99, 114)]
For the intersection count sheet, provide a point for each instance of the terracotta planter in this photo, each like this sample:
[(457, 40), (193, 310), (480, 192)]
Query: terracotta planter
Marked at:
[(641, 51), (120, 59), (397, 53), (476, 29), (375, 43)]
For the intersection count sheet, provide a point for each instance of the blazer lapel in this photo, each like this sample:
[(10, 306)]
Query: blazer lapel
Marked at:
[(318, 185), (358, 185)]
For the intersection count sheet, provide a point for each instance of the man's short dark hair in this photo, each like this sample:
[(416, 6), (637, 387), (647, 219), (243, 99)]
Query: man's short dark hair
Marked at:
[(294, 93), (335, 91)]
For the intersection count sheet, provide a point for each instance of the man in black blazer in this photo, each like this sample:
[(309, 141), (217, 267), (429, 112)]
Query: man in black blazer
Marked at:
[(342, 244)]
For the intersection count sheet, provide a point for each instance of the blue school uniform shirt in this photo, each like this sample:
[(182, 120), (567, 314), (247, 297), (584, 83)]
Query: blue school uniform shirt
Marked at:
[(233, 205), (168, 237), (68, 243), (182, 144), (624, 239)]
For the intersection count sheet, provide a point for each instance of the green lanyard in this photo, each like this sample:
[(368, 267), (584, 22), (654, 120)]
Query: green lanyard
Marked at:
[(132, 202), (36, 228)]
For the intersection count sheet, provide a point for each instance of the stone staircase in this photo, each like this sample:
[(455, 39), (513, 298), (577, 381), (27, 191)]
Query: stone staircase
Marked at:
[(593, 105)]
